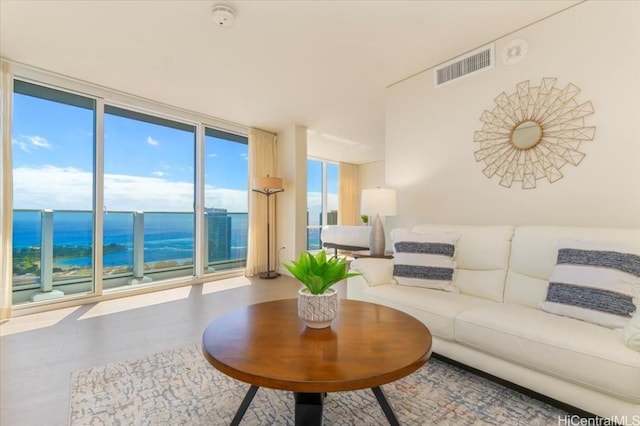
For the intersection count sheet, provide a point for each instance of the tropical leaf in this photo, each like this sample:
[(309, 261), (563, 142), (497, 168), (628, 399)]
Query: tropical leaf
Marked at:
[(317, 273)]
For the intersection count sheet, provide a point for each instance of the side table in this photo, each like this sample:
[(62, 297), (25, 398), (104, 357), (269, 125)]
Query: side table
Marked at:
[(367, 253)]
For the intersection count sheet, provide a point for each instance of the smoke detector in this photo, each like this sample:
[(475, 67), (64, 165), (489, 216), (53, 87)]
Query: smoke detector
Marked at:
[(223, 16)]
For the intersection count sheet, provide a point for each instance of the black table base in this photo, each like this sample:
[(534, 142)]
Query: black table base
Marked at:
[(308, 410)]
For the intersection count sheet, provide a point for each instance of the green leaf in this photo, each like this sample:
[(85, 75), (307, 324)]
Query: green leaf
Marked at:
[(317, 273)]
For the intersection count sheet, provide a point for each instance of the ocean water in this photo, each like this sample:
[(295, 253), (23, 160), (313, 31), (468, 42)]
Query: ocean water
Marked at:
[(167, 236)]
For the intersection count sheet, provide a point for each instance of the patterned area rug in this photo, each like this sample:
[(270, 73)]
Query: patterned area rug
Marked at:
[(179, 387)]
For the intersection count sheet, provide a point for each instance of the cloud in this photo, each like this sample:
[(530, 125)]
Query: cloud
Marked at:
[(22, 145), (212, 155), (158, 174), (69, 188), (39, 142), (30, 143), (152, 141), (234, 200), (52, 187)]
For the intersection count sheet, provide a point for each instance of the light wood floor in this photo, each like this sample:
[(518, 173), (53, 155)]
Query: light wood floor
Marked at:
[(39, 352)]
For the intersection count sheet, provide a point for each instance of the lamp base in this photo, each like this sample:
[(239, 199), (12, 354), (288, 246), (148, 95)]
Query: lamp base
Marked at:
[(269, 275), (376, 238)]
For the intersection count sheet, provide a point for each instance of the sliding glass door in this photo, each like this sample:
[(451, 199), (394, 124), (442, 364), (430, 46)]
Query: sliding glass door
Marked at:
[(322, 199), (148, 198), (226, 200), (53, 155)]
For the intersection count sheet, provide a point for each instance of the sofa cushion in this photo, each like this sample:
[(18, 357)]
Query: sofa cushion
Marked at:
[(576, 351), (482, 257), (594, 282), (435, 308), (424, 260)]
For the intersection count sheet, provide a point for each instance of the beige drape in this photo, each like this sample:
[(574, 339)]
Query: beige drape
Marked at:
[(6, 191), (348, 197), (262, 162)]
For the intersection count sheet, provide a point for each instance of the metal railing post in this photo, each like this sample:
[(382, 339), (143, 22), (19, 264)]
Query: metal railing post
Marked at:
[(138, 250), (46, 259), (46, 250)]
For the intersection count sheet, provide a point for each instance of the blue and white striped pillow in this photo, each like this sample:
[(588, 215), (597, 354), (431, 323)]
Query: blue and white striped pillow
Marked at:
[(424, 260), (594, 282)]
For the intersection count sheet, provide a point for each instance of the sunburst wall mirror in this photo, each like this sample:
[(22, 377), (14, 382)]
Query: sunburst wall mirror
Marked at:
[(533, 133)]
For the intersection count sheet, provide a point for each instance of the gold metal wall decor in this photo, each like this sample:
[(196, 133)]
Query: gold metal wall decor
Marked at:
[(533, 133)]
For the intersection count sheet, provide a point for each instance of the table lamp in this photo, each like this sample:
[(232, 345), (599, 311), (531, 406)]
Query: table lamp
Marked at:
[(378, 202)]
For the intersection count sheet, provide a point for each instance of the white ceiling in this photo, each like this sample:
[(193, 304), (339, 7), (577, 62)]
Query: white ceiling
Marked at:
[(319, 64)]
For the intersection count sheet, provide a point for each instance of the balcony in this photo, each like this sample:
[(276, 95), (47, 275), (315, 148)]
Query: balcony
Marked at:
[(53, 250)]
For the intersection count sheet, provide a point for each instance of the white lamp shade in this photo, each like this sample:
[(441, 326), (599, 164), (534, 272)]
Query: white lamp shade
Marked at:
[(267, 182), (378, 201)]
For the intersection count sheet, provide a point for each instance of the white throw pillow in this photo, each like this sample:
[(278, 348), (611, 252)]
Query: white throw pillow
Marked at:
[(375, 271), (424, 259), (594, 282)]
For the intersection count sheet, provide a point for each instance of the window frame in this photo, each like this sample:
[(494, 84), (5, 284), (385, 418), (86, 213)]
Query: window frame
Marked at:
[(102, 95)]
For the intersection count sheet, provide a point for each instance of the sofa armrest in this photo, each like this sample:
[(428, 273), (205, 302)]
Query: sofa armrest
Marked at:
[(631, 332), (375, 271)]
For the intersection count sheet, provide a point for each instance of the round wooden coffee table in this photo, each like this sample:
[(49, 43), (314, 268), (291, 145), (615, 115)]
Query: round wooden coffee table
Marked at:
[(267, 345)]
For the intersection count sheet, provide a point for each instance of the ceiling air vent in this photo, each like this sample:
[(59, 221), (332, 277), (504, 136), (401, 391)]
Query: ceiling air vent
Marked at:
[(463, 66)]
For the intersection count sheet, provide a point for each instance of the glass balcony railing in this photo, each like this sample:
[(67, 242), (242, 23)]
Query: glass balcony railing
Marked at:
[(55, 248)]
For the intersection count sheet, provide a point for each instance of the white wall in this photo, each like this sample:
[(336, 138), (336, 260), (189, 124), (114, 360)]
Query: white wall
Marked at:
[(429, 132), (371, 175), (291, 208)]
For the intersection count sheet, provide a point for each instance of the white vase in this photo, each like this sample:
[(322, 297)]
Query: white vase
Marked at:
[(317, 310)]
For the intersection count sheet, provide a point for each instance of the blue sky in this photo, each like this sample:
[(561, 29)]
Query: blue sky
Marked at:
[(147, 166)]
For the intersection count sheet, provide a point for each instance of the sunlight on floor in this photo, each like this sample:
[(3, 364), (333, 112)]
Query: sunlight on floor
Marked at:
[(50, 318), (228, 284), (135, 302), (35, 321)]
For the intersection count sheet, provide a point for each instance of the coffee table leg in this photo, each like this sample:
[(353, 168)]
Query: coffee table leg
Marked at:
[(308, 408), (386, 407), (245, 404)]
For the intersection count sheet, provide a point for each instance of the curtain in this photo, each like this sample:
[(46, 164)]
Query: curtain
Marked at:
[(6, 191), (348, 208), (262, 162)]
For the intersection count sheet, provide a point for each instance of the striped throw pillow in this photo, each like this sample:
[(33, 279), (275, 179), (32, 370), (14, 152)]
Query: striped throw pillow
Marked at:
[(424, 260), (594, 282)]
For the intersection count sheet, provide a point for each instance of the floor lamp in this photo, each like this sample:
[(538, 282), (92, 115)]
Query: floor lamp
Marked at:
[(268, 186)]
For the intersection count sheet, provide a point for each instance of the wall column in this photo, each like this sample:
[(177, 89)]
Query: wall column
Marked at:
[(291, 206)]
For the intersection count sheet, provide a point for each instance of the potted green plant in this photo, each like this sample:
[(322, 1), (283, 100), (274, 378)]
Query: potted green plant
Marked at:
[(317, 299)]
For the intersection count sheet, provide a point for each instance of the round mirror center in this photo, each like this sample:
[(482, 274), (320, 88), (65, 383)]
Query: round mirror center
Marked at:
[(526, 134)]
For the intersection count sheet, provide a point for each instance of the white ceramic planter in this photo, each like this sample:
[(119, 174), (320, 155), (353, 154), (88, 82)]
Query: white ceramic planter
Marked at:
[(317, 310)]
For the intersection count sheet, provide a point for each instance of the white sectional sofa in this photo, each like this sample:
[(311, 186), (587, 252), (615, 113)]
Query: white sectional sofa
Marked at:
[(494, 322)]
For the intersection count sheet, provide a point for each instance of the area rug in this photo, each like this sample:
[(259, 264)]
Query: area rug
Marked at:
[(179, 387)]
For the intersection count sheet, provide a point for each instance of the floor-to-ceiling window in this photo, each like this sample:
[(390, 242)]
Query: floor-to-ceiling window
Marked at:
[(89, 170), (53, 170), (322, 199), (149, 225), (226, 200)]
